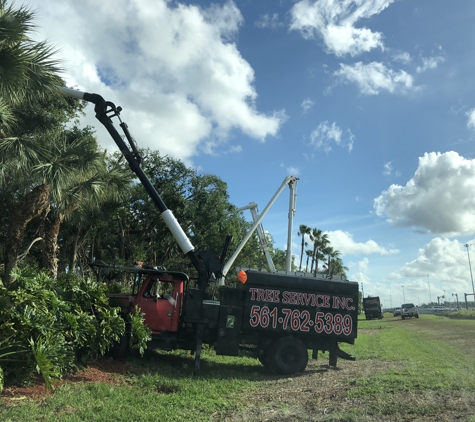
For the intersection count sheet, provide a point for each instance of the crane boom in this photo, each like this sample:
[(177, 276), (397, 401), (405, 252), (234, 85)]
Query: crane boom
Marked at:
[(288, 181)]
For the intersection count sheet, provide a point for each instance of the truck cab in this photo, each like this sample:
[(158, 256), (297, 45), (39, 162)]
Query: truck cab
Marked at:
[(159, 294)]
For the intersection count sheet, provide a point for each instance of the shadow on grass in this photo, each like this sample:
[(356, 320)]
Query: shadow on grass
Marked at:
[(180, 366)]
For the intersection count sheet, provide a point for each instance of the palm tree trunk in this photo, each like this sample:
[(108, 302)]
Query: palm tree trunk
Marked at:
[(313, 259), (49, 253), (30, 206), (316, 264), (301, 253), (74, 252)]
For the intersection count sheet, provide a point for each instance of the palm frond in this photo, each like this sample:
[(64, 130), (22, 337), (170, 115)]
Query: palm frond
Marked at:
[(27, 66)]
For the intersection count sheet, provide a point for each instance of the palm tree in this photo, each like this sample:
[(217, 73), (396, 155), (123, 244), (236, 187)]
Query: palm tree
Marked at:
[(81, 169), (27, 66), (28, 71), (332, 254), (320, 241), (303, 230), (338, 268), (309, 253)]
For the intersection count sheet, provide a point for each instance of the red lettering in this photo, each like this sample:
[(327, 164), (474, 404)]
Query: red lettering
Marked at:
[(339, 303), (293, 298), (253, 291), (326, 302), (271, 295), (285, 297), (350, 308), (299, 299), (261, 295)]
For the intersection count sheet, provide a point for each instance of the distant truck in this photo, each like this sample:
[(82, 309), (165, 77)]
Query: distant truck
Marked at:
[(372, 307), (409, 310)]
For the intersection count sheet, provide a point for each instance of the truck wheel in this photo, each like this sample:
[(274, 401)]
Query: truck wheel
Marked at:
[(417, 315), (288, 355), (403, 317)]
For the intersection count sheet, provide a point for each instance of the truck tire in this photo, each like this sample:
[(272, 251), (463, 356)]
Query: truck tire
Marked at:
[(288, 356), (417, 315), (402, 317)]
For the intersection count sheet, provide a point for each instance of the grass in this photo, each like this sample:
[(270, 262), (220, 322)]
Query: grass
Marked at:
[(161, 387), (422, 367), (421, 375), (462, 314)]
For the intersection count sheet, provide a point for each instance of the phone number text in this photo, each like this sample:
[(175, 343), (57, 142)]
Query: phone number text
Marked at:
[(297, 320)]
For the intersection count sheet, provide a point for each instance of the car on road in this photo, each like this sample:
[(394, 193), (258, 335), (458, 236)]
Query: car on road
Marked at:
[(397, 312), (439, 308), (409, 310)]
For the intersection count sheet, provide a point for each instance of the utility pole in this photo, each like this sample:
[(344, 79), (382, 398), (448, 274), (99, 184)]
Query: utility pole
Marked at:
[(403, 295), (470, 265), (456, 297), (428, 282)]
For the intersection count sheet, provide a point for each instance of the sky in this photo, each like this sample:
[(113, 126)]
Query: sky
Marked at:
[(370, 103)]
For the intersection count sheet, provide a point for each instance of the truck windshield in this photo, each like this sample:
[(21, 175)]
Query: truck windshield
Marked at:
[(408, 305)]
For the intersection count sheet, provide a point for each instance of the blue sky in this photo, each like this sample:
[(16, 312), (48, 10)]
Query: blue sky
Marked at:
[(370, 103)]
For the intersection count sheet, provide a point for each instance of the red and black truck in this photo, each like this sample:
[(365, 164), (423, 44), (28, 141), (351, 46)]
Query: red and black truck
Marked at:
[(275, 316)]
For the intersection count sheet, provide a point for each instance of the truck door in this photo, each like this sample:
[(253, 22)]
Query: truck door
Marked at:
[(160, 302)]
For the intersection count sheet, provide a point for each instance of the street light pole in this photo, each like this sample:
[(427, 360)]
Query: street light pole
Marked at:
[(456, 297), (403, 295), (428, 282), (470, 265)]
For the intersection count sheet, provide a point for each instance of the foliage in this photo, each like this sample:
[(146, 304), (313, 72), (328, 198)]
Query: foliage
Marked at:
[(28, 66), (63, 323), (321, 248), (462, 314), (140, 333)]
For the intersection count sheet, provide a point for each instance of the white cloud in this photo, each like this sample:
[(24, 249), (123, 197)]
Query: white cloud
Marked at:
[(235, 148), (293, 171), (446, 259), (325, 135), (343, 241), (269, 21), (306, 105), (440, 197), (403, 57), (360, 278), (471, 118), (334, 21), (429, 63), (174, 68), (375, 77), (388, 168)]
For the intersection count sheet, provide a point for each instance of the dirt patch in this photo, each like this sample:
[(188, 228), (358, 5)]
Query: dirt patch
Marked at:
[(317, 394), (321, 394), (102, 370)]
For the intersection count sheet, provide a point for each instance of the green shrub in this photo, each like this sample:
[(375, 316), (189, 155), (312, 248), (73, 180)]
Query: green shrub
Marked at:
[(57, 326)]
